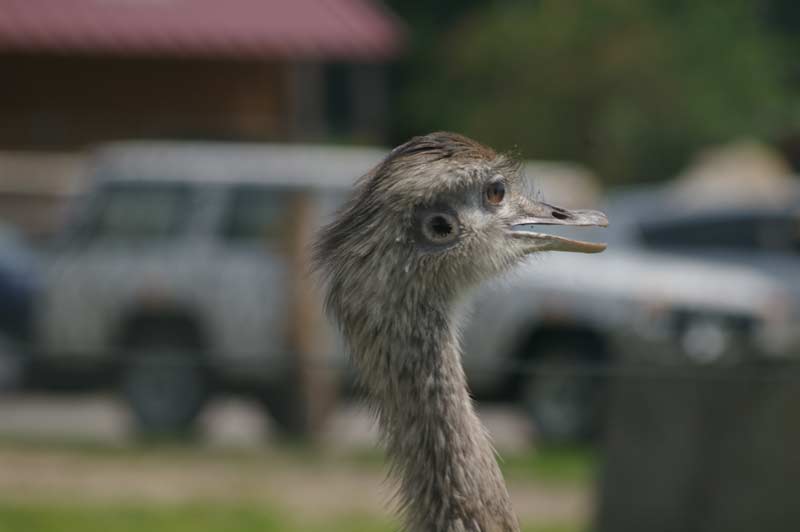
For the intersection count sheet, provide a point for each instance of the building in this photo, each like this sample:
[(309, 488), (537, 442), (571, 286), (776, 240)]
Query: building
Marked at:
[(79, 72)]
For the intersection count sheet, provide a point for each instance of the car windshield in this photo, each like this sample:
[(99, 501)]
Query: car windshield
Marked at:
[(139, 212), (744, 232), (257, 214)]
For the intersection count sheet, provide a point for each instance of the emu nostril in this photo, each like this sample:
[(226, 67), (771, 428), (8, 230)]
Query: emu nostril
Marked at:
[(560, 215)]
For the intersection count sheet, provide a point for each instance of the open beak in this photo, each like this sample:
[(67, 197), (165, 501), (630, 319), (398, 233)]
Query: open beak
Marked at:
[(535, 213)]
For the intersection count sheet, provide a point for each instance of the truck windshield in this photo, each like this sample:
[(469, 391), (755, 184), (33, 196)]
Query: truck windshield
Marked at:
[(139, 212), (774, 232), (258, 214)]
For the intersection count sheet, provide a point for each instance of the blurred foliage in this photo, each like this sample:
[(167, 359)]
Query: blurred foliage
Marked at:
[(630, 88)]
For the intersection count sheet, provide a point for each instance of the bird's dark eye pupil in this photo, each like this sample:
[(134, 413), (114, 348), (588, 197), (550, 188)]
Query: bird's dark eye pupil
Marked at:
[(440, 226), (495, 192)]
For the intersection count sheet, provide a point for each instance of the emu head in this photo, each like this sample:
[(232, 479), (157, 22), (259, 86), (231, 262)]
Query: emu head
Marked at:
[(442, 212)]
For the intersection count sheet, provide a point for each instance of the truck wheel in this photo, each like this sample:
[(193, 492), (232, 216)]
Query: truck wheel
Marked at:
[(283, 404), (165, 386), (12, 366), (562, 396)]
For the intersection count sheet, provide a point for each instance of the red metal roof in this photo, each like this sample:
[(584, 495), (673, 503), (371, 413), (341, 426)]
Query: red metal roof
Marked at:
[(268, 29)]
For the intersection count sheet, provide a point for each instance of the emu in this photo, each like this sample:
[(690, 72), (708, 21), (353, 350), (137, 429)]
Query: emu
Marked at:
[(437, 216)]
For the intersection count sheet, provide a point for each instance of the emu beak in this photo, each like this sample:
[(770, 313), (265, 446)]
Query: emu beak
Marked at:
[(535, 213)]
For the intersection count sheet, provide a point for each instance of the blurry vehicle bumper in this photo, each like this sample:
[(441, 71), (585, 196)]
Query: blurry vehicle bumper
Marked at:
[(696, 338)]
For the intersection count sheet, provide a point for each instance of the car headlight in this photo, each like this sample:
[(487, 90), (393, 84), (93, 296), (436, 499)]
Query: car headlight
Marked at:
[(706, 340)]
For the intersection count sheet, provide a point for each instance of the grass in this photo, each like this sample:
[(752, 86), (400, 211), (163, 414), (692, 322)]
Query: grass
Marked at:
[(568, 465), (180, 518), (191, 518), (65, 510)]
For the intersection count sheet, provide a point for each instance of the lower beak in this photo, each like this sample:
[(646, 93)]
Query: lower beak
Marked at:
[(537, 213)]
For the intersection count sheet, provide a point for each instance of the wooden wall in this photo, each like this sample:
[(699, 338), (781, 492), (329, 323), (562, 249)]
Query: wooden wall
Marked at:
[(51, 102)]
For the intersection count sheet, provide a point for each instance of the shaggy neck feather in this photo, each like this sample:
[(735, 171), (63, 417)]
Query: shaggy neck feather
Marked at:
[(448, 477)]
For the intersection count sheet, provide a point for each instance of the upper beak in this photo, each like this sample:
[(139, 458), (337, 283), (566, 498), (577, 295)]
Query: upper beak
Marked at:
[(537, 213)]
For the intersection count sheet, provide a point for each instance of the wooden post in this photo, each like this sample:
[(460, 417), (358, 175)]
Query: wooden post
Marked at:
[(315, 388)]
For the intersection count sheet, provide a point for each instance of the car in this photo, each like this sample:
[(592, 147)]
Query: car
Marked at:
[(761, 237), (178, 276), (18, 285), (570, 322), (550, 336)]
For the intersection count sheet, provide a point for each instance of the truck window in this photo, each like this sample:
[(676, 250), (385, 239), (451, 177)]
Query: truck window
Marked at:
[(137, 212), (758, 232), (701, 233), (257, 214)]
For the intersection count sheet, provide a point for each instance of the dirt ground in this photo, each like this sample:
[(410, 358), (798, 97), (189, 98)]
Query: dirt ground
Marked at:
[(78, 477), (236, 464)]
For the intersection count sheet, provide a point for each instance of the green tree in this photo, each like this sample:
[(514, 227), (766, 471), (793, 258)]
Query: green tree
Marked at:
[(629, 88)]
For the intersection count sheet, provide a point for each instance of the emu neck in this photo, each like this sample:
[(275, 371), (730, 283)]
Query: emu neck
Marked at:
[(448, 477)]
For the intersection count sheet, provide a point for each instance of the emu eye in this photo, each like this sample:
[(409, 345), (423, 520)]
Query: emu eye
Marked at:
[(495, 192), (439, 227)]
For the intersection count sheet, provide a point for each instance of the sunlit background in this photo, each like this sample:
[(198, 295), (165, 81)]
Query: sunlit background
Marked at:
[(164, 361)]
